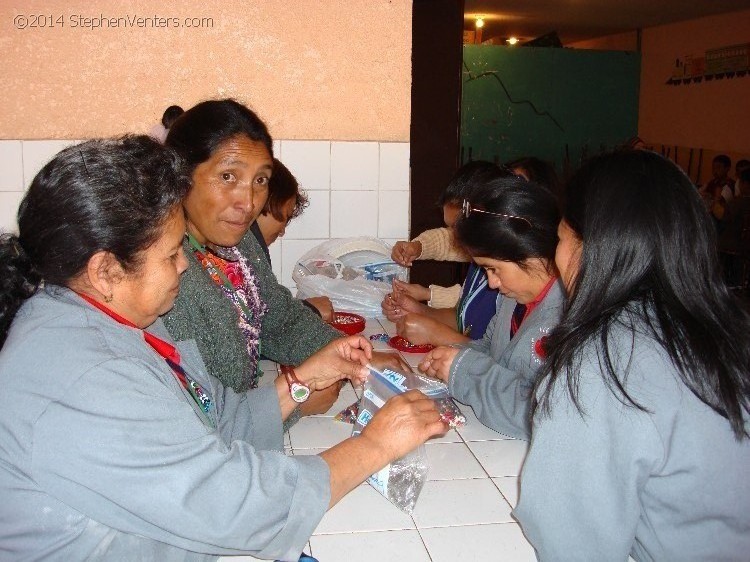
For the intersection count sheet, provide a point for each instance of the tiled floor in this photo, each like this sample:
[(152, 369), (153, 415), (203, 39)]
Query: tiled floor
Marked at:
[(463, 512)]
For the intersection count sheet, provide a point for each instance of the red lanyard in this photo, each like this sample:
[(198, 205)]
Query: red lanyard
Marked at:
[(165, 350)]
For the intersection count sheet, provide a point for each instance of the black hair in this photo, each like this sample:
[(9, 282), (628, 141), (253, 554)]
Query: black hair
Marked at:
[(170, 115), (742, 164), (199, 131), (723, 159), (649, 264), (462, 182), (537, 170), (510, 238), (111, 195), (281, 188)]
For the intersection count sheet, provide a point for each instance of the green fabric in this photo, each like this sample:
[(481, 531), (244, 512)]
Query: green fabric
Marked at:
[(290, 332)]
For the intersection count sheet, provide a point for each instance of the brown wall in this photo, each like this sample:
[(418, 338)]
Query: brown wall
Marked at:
[(713, 115), (339, 69)]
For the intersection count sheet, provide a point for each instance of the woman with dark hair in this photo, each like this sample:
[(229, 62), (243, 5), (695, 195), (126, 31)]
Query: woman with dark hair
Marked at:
[(509, 228), (537, 170), (115, 444), (640, 439), (230, 302), (466, 319), (285, 201)]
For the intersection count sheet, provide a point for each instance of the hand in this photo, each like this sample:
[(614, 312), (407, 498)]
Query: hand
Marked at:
[(343, 358), (320, 401), (397, 303), (414, 290), (437, 363), (420, 329), (404, 253), (390, 360), (405, 422), (324, 306)]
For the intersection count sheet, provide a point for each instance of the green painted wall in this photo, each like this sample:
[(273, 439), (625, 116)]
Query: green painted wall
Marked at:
[(532, 101)]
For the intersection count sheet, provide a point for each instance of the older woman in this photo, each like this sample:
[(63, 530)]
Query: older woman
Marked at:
[(509, 228), (114, 442), (641, 436), (230, 302)]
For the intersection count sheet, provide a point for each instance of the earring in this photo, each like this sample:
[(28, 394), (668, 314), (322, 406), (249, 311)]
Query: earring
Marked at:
[(108, 298)]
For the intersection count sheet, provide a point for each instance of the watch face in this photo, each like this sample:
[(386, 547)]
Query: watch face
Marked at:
[(299, 392)]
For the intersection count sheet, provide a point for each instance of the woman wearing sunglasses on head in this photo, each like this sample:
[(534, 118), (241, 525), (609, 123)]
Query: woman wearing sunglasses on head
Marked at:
[(510, 229), (640, 439)]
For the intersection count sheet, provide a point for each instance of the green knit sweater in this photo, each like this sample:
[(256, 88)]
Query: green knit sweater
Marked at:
[(290, 332)]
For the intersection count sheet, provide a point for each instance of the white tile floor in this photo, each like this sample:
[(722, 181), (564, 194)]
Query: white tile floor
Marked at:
[(463, 512)]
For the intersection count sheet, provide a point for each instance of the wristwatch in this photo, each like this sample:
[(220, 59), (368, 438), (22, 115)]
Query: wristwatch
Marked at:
[(298, 390)]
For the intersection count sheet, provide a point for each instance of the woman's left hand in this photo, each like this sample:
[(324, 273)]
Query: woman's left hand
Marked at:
[(323, 306), (437, 363), (343, 358)]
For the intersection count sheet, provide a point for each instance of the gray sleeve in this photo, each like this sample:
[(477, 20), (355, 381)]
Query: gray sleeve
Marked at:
[(581, 480), (173, 479), (499, 396)]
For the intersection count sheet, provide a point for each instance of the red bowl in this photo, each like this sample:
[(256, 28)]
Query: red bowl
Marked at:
[(397, 342), (348, 322)]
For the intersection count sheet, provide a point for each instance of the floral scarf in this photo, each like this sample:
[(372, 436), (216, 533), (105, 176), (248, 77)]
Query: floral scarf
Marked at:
[(245, 288)]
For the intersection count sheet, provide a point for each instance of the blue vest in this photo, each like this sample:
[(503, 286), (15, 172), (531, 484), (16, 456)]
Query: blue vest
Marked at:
[(477, 304)]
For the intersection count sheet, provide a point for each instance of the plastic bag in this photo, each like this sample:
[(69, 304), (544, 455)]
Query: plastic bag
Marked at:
[(402, 480), (355, 273)]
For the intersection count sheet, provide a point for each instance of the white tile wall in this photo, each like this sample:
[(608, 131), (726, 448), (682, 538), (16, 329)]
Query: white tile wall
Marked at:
[(309, 161), (393, 214), (11, 166), (354, 213), (354, 165), (355, 189)]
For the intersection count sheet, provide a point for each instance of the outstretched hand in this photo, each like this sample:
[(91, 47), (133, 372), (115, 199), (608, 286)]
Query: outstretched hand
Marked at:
[(343, 358), (403, 423), (404, 253)]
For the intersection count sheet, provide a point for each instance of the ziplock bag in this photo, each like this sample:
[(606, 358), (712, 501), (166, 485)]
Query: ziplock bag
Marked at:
[(402, 480)]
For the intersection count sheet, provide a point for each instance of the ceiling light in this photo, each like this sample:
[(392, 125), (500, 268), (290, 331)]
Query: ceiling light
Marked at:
[(480, 22), (512, 40)]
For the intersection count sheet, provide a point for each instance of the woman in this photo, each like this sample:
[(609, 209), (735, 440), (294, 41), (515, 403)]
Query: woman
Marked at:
[(230, 302), (285, 202), (509, 228), (640, 442), (468, 318), (114, 444)]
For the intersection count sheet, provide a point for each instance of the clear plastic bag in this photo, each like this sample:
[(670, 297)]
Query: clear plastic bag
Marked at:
[(402, 480), (355, 273)]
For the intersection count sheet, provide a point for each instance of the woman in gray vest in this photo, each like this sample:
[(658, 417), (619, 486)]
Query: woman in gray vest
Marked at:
[(115, 443), (640, 439), (509, 227)]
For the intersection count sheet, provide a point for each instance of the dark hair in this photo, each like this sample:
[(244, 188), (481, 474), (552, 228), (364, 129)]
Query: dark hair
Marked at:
[(742, 164), (282, 187), (510, 239), (201, 129), (723, 159), (111, 195), (462, 182), (537, 170), (170, 115), (649, 264)]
